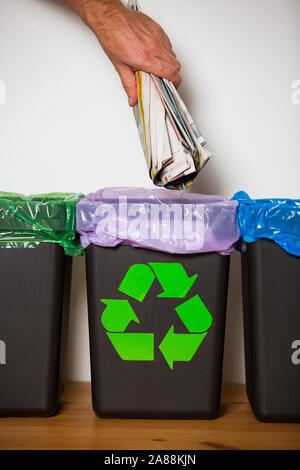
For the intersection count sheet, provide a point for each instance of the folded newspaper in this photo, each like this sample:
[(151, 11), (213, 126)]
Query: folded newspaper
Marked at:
[(174, 149)]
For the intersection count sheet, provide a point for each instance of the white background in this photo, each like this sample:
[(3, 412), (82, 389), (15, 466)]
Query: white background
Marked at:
[(66, 125)]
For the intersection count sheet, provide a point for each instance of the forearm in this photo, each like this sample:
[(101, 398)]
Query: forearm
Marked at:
[(86, 8)]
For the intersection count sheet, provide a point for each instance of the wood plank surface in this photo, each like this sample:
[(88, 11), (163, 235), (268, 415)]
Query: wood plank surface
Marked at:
[(77, 427)]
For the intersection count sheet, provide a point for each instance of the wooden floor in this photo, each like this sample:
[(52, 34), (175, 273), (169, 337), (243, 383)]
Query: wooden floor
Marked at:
[(77, 427)]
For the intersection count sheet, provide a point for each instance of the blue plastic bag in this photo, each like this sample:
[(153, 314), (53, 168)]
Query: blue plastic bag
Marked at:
[(276, 219)]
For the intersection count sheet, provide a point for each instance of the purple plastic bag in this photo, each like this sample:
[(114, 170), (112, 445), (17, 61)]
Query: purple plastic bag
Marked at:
[(158, 219)]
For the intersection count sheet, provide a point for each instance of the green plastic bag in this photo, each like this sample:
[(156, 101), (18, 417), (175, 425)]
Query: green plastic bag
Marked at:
[(26, 221)]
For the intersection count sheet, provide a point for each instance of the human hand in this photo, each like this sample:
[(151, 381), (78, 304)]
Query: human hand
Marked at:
[(131, 40)]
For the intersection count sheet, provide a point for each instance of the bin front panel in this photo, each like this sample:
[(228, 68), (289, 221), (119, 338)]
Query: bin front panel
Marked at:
[(31, 325), (271, 290), (156, 326)]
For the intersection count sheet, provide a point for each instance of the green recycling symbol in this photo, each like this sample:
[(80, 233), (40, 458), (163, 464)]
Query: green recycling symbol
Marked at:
[(175, 284)]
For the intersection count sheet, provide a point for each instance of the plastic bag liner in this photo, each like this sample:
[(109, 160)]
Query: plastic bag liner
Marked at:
[(276, 219), (25, 221), (158, 219)]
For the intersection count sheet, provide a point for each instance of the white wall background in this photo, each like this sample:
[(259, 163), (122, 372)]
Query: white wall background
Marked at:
[(66, 125)]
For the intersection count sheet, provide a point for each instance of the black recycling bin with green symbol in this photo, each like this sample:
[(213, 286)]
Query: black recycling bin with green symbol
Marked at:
[(156, 319), (37, 239), (270, 229)]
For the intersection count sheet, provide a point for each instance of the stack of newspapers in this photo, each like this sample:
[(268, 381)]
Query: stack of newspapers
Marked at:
[(174, 149)]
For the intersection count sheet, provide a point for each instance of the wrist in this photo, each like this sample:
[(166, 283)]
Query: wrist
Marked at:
[(99, 10)]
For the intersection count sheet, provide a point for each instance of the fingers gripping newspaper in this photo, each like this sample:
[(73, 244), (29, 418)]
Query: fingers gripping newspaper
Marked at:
[(174, 149)]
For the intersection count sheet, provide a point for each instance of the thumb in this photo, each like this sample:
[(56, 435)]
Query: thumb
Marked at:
[(129, 82)]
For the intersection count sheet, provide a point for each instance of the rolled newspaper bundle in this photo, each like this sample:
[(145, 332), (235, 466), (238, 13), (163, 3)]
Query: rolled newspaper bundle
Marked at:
[(174, 149)]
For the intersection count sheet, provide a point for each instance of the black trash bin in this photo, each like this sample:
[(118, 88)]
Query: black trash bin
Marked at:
[(34, 292), (35, 278), (271, 299), (156, 319)]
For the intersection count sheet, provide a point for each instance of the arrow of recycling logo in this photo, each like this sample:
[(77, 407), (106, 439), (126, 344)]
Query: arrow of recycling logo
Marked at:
[(140, 346)]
